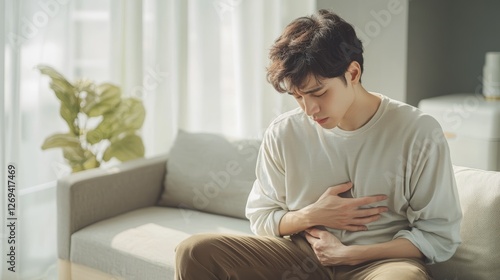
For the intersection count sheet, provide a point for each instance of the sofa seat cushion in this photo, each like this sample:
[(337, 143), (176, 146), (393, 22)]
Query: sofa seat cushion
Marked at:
[(141, 244)]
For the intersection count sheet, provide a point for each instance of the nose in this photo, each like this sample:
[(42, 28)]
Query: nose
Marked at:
[(310, 106)]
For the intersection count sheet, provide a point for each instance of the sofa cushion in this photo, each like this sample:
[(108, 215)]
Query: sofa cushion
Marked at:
[(210, 173), (140, 244), (478, 255)]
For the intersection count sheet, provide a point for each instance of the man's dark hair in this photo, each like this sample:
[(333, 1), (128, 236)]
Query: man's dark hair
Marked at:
[(322, 45)]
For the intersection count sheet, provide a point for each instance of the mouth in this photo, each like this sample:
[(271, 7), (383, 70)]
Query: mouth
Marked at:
[(321, 121)]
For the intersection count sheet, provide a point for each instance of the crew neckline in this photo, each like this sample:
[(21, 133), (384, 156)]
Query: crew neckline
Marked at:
[(378, 114)]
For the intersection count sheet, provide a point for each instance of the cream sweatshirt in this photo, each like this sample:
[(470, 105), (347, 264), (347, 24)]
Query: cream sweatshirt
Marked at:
[(401, 152)]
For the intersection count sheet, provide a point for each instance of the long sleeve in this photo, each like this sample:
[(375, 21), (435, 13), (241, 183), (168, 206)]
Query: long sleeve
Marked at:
[(266, 202), (434, 210)]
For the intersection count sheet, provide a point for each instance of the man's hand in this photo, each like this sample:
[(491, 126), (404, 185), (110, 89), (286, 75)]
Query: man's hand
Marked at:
[(330, 251), (327, 247), (333, 211)]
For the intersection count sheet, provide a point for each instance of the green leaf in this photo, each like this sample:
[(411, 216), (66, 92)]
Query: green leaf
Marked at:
[(134, 118), (63, 89), (91, 163), (66, 93), (112, 120), (77, 167), (95, 136), (127, 117), (74, 154), (127, 148), (54, 75), (107, 97), (69, 115), (60, 140), (104, 130), (117, 135), (80, 159)]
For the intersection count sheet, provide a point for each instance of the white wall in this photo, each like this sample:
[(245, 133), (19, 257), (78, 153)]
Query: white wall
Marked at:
[(447, 42), (429, 43), (475, 30), (382, 26)]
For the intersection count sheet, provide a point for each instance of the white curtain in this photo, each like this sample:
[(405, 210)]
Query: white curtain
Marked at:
[(31, 33), (203, 64), (198, 65)]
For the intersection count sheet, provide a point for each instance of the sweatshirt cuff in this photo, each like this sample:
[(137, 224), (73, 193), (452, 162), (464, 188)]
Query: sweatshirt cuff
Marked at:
[(277, 216), (417, 239)]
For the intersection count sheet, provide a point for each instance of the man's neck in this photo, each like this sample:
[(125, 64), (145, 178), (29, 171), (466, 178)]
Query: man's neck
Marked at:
[(363, 108)]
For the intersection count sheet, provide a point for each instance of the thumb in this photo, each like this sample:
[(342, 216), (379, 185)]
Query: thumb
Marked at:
[(336, 190), (314, 232)]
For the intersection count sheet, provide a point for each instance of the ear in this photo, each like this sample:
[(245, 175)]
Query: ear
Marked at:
[(353, 73)]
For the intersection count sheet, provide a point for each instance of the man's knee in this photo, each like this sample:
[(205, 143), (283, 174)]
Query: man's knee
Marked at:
[(195, 248), (194, 257), (405, 270), (408, 273)]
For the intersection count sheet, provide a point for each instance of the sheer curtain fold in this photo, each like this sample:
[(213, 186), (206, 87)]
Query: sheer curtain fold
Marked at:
[(126, 64), (255, 27), (167, 64), (250, 44), (215, 54), (31, 35)]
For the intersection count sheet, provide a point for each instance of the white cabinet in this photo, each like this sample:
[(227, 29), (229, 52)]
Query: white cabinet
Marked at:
[(472, 127)]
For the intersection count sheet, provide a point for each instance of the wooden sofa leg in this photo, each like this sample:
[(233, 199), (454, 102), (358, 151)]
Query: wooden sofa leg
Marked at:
[(73, 271), (64, 269)]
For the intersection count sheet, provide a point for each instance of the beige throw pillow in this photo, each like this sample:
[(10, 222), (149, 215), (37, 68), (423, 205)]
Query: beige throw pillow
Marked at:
[(209, 173), (478, 257)]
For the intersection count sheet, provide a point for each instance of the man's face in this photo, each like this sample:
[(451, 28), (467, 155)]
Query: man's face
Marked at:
[(326, 101)]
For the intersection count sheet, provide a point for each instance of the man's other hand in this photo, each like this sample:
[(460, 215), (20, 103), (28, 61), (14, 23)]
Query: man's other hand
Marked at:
[(333, 211)]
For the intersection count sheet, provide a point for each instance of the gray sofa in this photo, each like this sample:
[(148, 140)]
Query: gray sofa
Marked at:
[(112, 224)]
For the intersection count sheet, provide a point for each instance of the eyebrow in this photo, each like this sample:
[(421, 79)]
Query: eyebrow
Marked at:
[(310, 91)]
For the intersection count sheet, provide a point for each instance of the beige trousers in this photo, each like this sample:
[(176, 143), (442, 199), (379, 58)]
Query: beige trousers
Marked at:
[(215, 257)]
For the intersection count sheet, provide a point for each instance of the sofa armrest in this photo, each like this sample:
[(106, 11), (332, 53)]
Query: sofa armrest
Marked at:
[(90, 196)]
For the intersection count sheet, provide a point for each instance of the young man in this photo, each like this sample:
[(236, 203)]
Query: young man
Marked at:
[(361, 186)]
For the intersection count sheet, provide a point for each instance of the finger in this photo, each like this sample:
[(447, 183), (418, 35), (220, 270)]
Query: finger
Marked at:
[(368, 200), (366, 220), (314, 232), (335, 190), (362, 213), (311, 239)]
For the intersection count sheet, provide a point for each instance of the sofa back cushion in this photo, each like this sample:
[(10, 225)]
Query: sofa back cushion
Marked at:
[(479, 254), (210, 173)]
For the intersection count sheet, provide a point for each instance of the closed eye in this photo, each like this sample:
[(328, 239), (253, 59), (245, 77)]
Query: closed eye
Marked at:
[(296, 96), (318, 95)]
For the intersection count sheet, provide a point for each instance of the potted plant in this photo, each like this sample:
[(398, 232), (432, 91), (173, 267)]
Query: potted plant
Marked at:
[(102, 123)]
